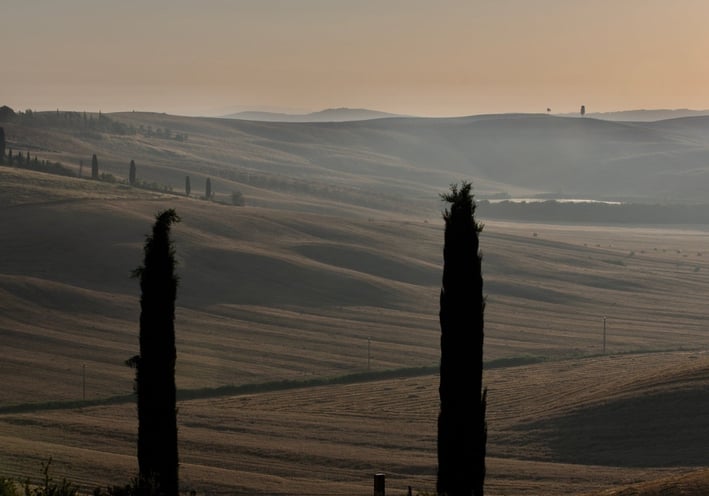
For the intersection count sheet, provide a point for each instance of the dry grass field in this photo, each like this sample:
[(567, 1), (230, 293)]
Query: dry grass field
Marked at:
[(563, 427), (329, 289)]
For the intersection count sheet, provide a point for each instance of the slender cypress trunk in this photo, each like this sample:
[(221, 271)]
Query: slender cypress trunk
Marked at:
[(155, 377), (2, 145), (462, 429)]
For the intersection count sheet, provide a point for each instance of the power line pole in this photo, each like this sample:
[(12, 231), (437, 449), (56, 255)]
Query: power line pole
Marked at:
[(604, 334), (83, 382), (369, 353)]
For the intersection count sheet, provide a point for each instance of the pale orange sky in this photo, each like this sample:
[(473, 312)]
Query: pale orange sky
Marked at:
[(444, 57)]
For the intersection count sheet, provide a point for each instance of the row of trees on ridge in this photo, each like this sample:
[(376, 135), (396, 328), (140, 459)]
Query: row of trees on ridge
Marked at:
[(21, 160)]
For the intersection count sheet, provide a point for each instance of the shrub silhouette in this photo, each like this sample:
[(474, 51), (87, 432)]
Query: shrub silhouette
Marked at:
[(208, 189), (49, 487)]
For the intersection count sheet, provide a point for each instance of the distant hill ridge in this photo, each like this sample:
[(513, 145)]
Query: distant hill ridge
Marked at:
[(646, 115), (344, 114), (328, 115)]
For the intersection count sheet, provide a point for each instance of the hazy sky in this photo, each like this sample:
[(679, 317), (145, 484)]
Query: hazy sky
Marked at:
[(442, 57)]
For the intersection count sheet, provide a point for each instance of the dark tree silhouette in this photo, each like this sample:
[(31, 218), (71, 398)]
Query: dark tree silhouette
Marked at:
[(10, 158), (208, 189), (237, 198), (188, 187), (155, 374), (6, 113), (131, 173), (94, 167), (462, 429), (2, 145), (583, 110)]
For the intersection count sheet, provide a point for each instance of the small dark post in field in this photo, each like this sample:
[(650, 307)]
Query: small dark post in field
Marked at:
[(462, 429), (379, 484), (188, 187), (155, 366), (131, 173), (208, 189), (94, 167)]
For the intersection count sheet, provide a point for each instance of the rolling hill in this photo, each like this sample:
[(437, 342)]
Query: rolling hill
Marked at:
[(331, 269), (327, 115), (395, 163)]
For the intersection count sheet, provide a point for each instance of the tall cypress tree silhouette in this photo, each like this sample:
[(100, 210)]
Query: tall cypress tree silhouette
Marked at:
[(94, 167), (131, 172), (2, 145), (155, 375), (462, 429)]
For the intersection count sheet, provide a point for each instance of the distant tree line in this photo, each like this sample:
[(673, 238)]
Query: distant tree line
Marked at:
[(24, 161), (606, 213), (88, 124)]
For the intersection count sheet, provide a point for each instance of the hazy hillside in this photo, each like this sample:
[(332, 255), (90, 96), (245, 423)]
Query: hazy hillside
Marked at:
[(644, 115), (396, 164), (327, 115)]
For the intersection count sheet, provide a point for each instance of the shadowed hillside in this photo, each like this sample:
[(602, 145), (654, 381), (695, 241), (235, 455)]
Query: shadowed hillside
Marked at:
[(694, 483), (268, 295)]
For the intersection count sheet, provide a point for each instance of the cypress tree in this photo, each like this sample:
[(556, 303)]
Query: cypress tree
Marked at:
[(131, 173), (155, 366), (94, 167), (208, 189), (2, 145), (462, 429), (188, 187)]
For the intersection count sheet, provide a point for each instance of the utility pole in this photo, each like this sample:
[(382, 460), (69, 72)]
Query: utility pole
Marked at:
[(604, 334), (369, 353), (83, 382)]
